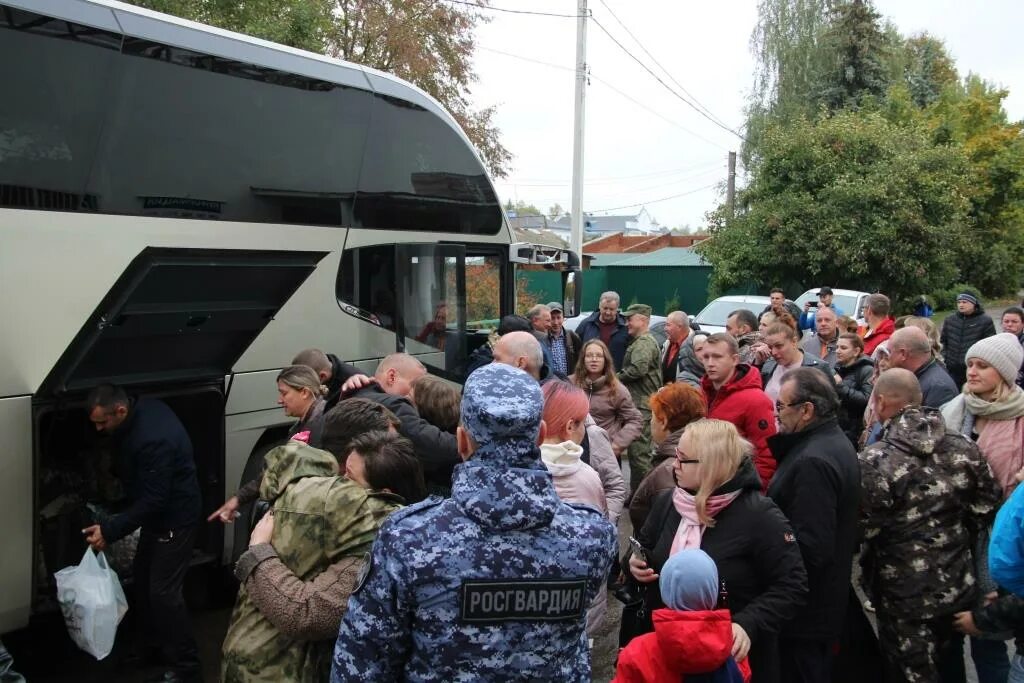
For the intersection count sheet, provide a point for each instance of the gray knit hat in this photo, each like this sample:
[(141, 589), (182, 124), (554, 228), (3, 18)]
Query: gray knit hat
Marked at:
[(1003, 352)]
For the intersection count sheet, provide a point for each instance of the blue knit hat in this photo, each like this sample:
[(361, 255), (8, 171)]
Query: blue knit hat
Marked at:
[(501, 403), (689, 581)]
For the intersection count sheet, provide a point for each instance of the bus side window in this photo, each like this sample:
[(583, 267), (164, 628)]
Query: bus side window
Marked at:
[(366, 284)]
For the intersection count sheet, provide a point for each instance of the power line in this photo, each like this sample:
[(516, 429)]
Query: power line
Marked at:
[(526, 59), (610, 87), (662, 82), (654, 201), (555, 182), (659, 115), (700, 168), (658, 64), (511, 11)]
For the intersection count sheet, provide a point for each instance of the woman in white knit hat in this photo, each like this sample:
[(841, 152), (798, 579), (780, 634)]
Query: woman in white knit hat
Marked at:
[(990, 412)]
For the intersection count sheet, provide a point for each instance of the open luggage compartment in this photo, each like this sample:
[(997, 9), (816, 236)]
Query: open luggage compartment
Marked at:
[(76, 480)]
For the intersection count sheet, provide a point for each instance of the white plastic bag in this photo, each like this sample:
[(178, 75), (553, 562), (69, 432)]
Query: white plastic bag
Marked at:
[(93, 603)]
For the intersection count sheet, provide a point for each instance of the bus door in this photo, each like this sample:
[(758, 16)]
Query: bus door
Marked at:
[(431, 305)]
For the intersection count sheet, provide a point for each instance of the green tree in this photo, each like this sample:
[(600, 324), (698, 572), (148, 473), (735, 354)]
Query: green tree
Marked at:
[(857, 55), (556, 211), (850, 198), (426, 42), (927, 69), (972, 117), (522, 208)]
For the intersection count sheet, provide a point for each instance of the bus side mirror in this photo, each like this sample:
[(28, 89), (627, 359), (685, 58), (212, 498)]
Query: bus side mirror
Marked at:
[(572, 293)]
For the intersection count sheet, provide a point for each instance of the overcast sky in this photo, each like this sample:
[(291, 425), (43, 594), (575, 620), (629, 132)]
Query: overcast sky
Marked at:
[(642, 143)]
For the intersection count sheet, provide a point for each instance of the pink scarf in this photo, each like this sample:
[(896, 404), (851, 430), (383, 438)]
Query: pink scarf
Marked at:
[(690, 529)]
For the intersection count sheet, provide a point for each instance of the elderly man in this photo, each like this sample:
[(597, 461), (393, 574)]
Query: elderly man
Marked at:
[(817, 487), (564, 344), (823, 344), (926, 493), (641, 373), (808, 318), (491, 582), (677, 331), (607, 325), (880, 325), (910, 349), (782, 342)]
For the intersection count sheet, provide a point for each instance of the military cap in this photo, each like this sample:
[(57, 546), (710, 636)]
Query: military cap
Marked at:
[(501, 403), (637, 309)]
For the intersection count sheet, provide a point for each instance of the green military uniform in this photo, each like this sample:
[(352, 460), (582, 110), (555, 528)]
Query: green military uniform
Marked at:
[(319, 518), (926, 495), (641, 373)]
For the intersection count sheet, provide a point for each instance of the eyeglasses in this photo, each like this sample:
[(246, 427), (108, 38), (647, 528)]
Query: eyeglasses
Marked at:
[(779, 405), (683, 460)]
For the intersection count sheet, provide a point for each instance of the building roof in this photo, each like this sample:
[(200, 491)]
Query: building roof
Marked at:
[(669, 256)]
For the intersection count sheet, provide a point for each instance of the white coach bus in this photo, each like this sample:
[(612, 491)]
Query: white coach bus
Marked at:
[(182, 209)]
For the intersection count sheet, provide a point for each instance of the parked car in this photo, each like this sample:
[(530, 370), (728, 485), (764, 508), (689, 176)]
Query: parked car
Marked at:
[(850, 301), (713, 316), (657, 325)]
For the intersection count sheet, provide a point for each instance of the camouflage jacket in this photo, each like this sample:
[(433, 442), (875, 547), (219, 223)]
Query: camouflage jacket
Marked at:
[(926, 494), (491, 584), (319, 518), (641, 369)]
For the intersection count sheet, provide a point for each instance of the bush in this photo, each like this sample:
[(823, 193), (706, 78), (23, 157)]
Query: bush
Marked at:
[(945, 299)]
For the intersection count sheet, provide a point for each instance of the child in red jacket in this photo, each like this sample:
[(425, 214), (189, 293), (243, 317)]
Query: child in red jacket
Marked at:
[(692, 641)]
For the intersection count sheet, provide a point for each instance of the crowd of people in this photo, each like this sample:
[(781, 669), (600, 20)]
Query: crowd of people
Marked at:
[(411, 529)]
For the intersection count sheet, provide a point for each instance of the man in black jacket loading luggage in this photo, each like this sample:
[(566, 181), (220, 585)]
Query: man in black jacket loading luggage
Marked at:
[(154, 462), (817, 487)]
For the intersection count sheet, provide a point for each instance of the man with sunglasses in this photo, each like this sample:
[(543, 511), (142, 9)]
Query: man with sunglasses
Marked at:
[(817, 487)]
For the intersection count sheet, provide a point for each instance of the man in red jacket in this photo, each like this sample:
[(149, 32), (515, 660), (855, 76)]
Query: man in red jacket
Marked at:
[(880, 325), (733, 393)]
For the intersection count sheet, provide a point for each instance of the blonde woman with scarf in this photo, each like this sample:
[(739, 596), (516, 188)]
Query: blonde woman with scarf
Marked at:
[(990, 412), (717, 506)]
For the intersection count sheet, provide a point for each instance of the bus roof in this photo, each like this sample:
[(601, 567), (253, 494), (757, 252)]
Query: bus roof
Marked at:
[(138, 22)]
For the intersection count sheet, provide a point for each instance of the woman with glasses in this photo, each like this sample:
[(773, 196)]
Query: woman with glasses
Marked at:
[(717, 506), (610, 402)]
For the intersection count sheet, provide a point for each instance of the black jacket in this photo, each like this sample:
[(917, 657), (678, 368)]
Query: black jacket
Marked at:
[(591, 329), (435, 448), (1006, 613), (854, 393), (156, 466), (959, 332), (817, 487), (753, 547), (809, 361), (339, 373), (937, 387)]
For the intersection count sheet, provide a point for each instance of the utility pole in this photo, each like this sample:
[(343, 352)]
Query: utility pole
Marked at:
[(730, 195), (576, 231)]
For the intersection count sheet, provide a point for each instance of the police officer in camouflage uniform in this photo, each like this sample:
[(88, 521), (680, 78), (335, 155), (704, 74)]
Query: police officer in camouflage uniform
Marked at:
[(493, 583), (926, 494), (641, 373)]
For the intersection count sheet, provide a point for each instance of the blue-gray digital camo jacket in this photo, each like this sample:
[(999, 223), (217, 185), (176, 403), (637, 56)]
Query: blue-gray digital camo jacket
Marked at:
[(489, 585)]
